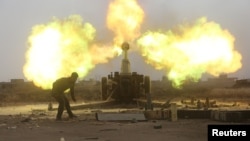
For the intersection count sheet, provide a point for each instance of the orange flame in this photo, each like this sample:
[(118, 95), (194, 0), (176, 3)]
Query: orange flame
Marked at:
[(60, 47), (124, 19), (202, 47)]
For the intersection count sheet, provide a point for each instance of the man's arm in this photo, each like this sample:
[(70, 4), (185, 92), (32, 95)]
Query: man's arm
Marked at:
[(72, 92)]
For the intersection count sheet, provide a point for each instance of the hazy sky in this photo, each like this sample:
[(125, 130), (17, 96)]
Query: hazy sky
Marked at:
[(19, 16)]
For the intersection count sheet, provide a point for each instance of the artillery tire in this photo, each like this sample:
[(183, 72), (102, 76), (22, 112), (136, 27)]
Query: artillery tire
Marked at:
[(147, 86), (104, 88)]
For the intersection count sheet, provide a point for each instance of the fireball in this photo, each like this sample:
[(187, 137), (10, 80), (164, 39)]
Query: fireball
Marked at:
[(192, 50), (60, 47), (124, 18)]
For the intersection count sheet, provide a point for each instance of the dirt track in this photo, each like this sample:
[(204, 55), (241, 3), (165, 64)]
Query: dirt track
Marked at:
[(23, 123), (35, 123), (41, 128)]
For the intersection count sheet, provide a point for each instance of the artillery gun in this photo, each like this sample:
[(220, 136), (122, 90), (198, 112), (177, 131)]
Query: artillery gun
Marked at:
[(125, 86)]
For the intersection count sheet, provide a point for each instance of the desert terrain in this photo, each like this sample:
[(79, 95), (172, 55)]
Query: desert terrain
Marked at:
[(24, 116)]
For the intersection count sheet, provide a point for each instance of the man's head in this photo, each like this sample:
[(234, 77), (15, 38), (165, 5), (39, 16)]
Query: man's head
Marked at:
[(74, 77)]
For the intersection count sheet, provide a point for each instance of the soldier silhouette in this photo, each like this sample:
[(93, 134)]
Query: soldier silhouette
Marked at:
[(58, 89)]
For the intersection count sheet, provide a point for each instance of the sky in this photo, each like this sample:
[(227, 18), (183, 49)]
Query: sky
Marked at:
[(17, 17)]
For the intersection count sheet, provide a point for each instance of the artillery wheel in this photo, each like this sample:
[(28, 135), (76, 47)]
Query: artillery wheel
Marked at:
[(104, 88), (147, 86)]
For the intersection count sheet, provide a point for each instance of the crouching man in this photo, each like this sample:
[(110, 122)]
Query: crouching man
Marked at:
[(58, 89)]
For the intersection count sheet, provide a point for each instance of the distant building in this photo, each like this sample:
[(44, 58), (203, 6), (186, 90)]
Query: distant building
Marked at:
[(242, 83), (5, 85), (223, 81), (15, 83)]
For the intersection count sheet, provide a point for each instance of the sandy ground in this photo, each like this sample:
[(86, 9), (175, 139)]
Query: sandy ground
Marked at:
[(36, 123)]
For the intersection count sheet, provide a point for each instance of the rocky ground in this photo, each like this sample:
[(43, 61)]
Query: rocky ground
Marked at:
[(35, 122), (43, 127)]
